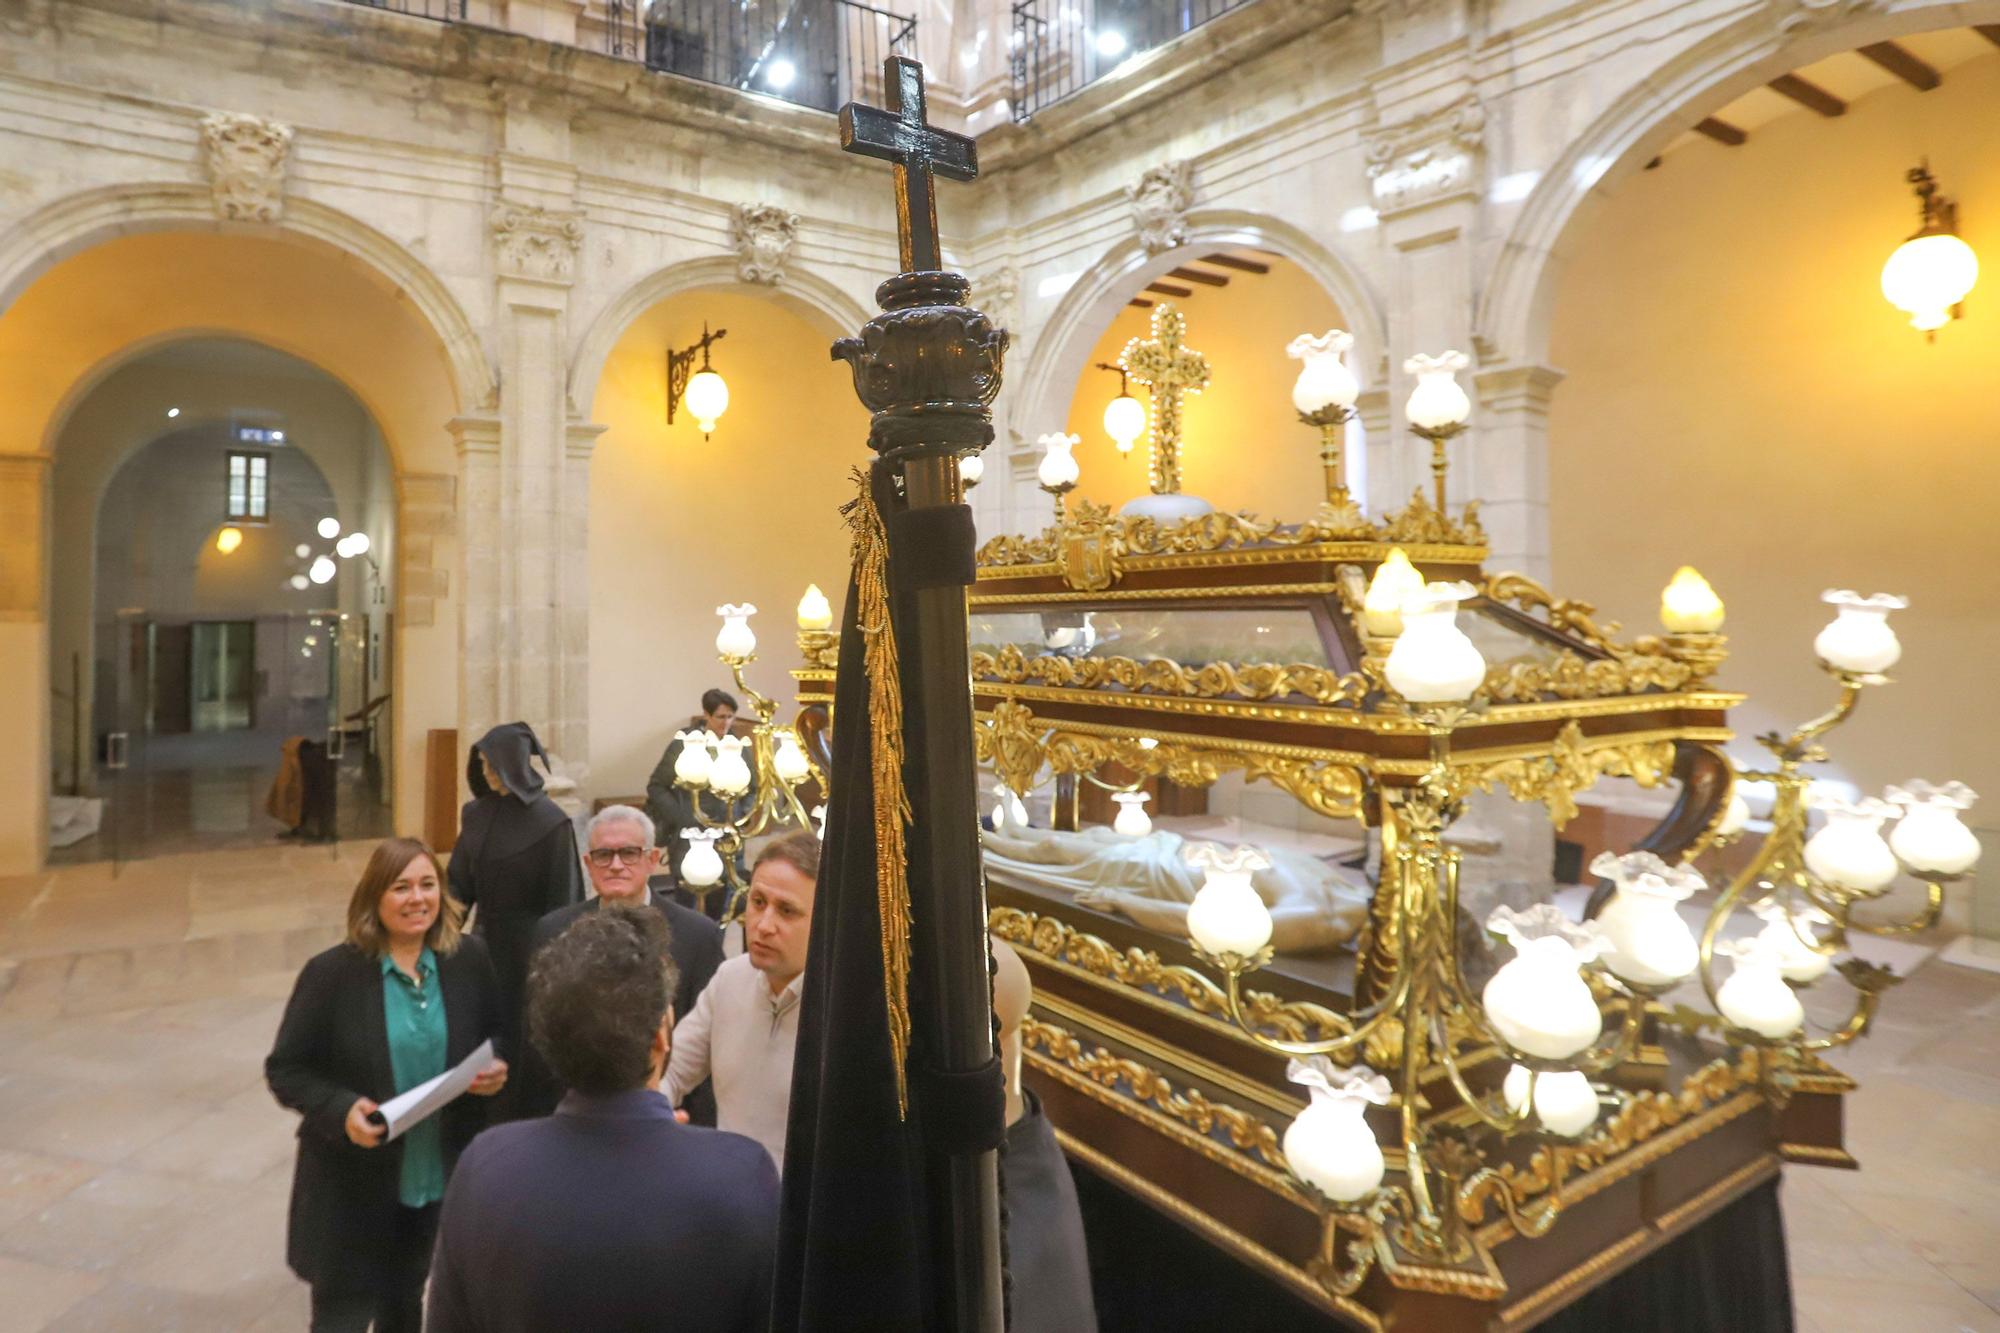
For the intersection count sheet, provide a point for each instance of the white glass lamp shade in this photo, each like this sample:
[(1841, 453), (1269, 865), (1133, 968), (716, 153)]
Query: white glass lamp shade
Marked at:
[(1650, 943), (357, 544), (322, 570), (1324, 380), (736, 638), (1927, 275), (701, 868), (1859, 638), (971, 467), (729, 776), (1754, 996), (1930, 838), (1124, 421), (1433, 660), (1437, 403), (1565, 1102), (1008, 808), (299, 582), (1791, 940), (1735, 816), (329, 527), (707, 397), (788, 761), (1394, 581), (692, 764), (1227, 915), (1058, 467), (819, 822), (1850, 852), (815, 612), (1538, 1002), (1688, 605), (1329, 1145), (1132, 820), (302, 550)]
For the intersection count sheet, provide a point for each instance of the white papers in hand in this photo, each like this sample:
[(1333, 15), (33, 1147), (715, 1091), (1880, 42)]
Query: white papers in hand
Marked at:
[(428, 1098)]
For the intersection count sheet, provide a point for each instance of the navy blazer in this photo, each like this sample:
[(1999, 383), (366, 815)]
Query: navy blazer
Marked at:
[(333, 1047), (609, 1216)]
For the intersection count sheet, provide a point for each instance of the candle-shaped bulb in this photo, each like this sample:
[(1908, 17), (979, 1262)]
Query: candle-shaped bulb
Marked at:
[(815, 612), (1382, 605), (1689, 605)]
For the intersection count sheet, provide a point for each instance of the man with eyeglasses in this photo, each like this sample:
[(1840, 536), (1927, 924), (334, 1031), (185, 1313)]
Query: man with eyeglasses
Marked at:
[(621, 858)]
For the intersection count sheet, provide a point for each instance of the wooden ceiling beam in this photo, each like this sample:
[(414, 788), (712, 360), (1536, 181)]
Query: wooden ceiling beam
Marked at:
[(1808, 94), (1141, 303), (1722, 132), (1168, 289), (1240, 265), (1990, 31), (1196, 275), (1903, 65)]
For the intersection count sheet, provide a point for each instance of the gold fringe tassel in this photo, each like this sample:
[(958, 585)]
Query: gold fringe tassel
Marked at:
[(885, 761)]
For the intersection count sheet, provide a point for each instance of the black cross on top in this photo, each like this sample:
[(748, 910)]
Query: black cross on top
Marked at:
[(900, 135)]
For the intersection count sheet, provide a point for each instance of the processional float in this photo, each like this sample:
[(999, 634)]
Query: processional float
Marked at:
[(1384, 1137)]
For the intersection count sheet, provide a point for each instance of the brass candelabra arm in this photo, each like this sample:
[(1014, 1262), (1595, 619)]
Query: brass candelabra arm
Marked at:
[(1495, 1115), (1230, 996), (1530, 1222), (1800, 747), (765, 708), (1869, 982), (1335, 1275)]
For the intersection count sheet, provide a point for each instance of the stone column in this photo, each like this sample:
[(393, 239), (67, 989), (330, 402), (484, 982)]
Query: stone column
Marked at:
[(480, 551), (24, 651), (1510, 466)]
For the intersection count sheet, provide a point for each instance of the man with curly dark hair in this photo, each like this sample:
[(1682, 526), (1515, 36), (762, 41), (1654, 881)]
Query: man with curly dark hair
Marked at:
[(539, 1210)]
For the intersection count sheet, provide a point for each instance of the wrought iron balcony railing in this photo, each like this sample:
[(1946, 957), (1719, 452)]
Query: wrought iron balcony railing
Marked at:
[(817, 53), (1060, 47)]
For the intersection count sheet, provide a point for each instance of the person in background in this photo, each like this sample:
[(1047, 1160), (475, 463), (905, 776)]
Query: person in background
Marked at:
[(744, 1028), (620, 858), (515, 861), (1045, 1245), (608, 1216), (672, 807), (403, 998)]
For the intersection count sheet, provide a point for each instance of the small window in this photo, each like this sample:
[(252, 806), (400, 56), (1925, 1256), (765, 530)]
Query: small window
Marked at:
[(249, 493)]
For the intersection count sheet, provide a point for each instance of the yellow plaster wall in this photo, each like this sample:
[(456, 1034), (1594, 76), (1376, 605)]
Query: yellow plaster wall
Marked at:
[(1740, 396), (679, 526), (106, 303), (1245, 448)]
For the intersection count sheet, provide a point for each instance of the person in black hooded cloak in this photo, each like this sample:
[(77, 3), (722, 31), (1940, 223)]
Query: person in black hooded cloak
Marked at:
[(515, 861)]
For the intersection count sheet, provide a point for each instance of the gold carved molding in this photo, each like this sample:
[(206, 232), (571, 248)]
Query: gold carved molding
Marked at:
[(1018, 746), (1568, 767), (1130, 1081), (1142, 970), (1252, 681)]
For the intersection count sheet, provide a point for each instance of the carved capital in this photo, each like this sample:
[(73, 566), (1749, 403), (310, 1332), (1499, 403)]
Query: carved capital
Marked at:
[(533, 242), (763, 236), (928, 366), (1428, 157), (1160, 203), (244, 158)]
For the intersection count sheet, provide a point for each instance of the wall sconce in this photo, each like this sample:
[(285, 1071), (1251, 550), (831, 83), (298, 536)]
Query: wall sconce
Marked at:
[(1124, 418), (1929, 274), (228, 539), (707, 396)]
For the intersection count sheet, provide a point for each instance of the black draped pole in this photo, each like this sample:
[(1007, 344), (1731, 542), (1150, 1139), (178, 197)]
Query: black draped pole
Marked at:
[(891, 1214)]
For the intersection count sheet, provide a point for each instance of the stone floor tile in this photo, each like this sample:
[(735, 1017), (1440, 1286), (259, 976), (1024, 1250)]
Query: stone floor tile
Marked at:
[(37, 1294), (230, 1146), (1866, 1305), (124, 1307), (111, 1217), (30, 1182)]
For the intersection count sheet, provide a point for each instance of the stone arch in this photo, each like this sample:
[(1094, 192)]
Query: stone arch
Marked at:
[(77, 222), (1514, 315), (803, 292), (1063, 342)]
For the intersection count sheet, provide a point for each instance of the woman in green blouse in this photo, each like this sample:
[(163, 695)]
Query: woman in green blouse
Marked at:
[(402, 999)]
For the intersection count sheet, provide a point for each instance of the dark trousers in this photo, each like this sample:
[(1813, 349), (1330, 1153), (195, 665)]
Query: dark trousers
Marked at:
[(393, 1299)]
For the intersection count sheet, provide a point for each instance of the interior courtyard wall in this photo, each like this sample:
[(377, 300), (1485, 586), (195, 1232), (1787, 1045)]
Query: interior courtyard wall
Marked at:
[(1739, 396), (681, 525)]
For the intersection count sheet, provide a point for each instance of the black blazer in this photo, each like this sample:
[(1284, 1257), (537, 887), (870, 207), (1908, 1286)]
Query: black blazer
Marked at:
[(333, 1047), (607, 1217), (696, 944)]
